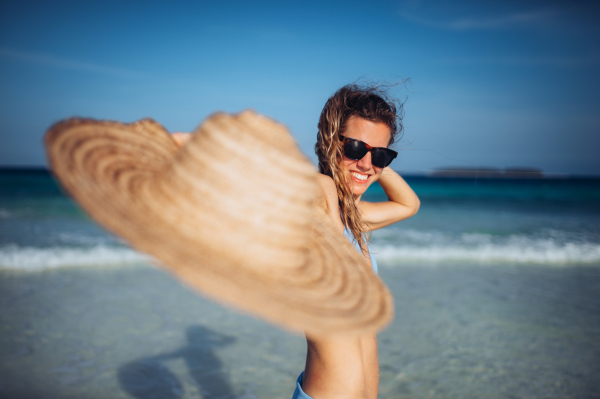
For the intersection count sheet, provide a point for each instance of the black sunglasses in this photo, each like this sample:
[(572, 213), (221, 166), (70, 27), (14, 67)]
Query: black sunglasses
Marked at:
[(356, 149)]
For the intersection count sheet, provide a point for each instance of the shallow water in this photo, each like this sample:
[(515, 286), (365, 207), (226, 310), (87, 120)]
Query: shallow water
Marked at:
[(493, 331), (460, 332), (133, 332)]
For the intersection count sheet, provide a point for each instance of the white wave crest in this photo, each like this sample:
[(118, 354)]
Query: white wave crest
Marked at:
[(15, 257), (545, 252), (541, 246)]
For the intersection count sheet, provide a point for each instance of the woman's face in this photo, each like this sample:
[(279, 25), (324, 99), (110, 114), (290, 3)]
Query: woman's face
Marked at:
[(362, 172)]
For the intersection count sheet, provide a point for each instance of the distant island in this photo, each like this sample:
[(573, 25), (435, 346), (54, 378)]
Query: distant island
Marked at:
[(488, 173)]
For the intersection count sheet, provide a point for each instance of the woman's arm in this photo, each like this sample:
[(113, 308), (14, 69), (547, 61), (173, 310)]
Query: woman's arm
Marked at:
[(402, 202)]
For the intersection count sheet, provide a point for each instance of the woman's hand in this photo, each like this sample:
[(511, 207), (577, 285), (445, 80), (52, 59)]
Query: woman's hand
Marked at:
[(181, 138), (402, 202)]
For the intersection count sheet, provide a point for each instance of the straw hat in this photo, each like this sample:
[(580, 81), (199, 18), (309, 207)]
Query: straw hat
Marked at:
[(232, 214)]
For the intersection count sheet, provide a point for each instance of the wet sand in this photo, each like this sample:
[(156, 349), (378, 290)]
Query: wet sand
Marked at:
[(461, 331)]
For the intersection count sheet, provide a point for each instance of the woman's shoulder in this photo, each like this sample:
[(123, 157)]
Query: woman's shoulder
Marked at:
[(328, 198), (327, 189), (325, 182), (327, 192)]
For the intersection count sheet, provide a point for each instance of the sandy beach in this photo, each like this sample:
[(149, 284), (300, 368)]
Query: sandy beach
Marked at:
[(461, 331)]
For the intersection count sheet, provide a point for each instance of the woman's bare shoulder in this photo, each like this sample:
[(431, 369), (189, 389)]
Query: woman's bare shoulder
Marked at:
[(329, 199), (326, 183), (328, 191)]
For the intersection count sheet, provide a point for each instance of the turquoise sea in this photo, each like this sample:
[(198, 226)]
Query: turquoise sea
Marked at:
[(496, 284)]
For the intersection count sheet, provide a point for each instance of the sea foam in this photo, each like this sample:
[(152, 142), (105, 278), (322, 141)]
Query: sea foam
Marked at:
[(32, 259), (482, 248)]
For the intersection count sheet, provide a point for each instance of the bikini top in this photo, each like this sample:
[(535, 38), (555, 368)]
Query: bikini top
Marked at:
[(373, 261)]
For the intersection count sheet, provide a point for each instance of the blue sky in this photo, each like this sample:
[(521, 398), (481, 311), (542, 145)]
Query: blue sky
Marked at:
[(499, 84)]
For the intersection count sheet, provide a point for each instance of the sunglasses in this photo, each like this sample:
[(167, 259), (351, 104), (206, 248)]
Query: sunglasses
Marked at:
[(356, 149)]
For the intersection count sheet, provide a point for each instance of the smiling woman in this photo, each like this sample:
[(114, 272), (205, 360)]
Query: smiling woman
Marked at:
[(356, 127), (365, 162)]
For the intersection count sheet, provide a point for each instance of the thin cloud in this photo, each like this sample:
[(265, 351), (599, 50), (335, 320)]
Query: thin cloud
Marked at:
[(511, 21), (523, 19), (528, 61), (64, 63)]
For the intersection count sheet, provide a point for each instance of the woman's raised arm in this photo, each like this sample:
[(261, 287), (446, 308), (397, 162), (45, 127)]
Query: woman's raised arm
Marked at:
[(402, 202)]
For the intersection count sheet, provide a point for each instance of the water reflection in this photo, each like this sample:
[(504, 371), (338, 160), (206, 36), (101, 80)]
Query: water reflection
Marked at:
[(149, 378)]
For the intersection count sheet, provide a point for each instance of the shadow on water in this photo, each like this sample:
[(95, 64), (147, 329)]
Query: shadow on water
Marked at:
[(150, 378)]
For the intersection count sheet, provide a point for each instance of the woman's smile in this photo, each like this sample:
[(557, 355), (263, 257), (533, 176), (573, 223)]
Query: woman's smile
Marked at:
[(359, 177)]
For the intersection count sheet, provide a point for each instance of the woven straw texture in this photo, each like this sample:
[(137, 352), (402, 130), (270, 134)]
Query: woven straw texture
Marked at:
[(232, 214)]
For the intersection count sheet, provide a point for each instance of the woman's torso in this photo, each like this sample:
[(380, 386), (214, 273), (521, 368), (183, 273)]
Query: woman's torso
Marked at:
[(342, 366)]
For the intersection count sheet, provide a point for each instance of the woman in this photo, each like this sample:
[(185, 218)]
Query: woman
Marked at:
[(356, 127)]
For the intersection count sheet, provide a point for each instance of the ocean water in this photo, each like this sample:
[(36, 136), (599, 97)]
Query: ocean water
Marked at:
[(496, 286), (552, 222)]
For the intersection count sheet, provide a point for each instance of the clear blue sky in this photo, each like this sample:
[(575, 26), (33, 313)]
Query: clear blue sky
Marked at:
[(497, 84)]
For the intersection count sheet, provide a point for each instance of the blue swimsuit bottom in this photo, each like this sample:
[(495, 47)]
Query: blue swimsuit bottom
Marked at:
[(299, 393)]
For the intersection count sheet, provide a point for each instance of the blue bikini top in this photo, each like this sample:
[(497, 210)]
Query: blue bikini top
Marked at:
[(351, 238)]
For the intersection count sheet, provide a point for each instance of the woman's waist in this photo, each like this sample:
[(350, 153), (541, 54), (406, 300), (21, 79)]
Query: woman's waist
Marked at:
[(334, 379), (341, 362)]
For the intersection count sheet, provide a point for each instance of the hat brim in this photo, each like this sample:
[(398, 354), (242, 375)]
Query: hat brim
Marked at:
[(289, 266)]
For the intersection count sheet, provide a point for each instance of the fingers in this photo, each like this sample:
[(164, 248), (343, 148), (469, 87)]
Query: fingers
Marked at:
[(180, 138)]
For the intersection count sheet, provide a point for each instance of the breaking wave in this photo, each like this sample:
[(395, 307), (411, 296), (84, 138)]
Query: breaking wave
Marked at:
[(32, 259), (553, 248)]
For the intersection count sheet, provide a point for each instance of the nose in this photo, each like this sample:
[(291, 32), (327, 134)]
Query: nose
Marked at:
[(365, 162)]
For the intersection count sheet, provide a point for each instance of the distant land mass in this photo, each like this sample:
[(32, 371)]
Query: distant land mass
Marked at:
[(488, 173)]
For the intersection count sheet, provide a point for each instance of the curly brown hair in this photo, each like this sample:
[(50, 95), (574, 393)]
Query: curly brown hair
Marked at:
[(367, 102)]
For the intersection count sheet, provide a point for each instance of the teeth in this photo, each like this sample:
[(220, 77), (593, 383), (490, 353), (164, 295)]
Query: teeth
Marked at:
[(359, 176)]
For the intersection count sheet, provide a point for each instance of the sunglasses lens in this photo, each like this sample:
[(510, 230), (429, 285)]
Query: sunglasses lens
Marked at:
[(380, 158), (355, 150)]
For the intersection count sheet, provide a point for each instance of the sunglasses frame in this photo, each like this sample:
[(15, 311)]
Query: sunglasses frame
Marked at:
[(389, 153)]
